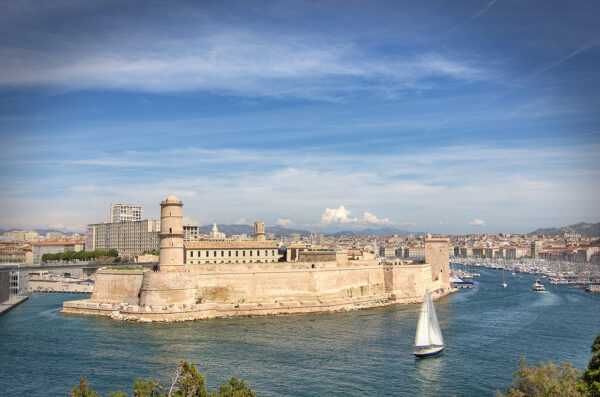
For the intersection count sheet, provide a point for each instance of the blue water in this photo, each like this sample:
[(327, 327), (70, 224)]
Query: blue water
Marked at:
[(368, 352)]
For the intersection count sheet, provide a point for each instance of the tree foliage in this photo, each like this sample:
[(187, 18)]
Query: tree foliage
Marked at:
[(80, 255), (188, 382), (591, 376), (551, 380), (548, 380)]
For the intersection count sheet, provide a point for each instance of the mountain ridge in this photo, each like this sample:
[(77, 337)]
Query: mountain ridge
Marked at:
[(583, 228)]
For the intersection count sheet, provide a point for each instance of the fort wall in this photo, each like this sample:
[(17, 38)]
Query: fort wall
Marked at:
[(115, 286)]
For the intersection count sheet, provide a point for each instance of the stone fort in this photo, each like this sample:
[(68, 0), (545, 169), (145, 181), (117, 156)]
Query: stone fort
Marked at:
[(209, 279)]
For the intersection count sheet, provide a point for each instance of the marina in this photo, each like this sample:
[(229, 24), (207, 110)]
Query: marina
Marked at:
[(486, 330), (557, 272)]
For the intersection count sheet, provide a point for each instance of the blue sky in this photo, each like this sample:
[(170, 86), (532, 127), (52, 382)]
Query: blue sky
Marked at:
[(449, 117)]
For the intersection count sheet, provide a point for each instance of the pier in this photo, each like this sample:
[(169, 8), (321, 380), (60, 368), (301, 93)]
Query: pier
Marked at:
[(12, 302)]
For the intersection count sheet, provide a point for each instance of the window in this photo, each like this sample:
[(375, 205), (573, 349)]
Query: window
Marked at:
[(257, 253), (236, 253), (229, 253), (222, 253), (207, 254), (266, 253), (272, 252), (191, 254), (250, 252), (215, 254), (244, 254)]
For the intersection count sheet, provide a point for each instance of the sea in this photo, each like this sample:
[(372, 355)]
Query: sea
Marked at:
[(356, 353)]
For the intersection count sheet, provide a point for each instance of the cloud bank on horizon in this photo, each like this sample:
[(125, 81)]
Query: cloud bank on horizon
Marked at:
[(449, 118)]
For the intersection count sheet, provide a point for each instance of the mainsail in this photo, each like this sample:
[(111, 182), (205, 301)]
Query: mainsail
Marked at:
[(428, 328)]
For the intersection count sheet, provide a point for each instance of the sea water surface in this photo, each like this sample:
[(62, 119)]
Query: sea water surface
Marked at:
[(360, 353)]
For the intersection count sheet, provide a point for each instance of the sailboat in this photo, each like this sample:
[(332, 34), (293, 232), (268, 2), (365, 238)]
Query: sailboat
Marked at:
[(429, 340), (504, 285)]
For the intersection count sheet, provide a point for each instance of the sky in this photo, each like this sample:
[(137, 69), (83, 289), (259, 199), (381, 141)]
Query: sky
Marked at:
[(446, 117)]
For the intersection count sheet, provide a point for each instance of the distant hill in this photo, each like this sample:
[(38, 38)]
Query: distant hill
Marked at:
[(387, 231), (282, 231), (585, 229), (249, 230), (41, 232)]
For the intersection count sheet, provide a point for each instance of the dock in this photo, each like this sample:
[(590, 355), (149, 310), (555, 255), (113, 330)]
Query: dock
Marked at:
[(12, 302)]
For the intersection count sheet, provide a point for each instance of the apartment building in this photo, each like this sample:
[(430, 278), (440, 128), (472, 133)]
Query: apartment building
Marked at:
[(132, 237)]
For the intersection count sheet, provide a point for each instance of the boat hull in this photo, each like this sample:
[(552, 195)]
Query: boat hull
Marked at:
[(429, 351)]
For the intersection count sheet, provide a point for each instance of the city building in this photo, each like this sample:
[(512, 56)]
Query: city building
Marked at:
[(227, 251), (16, 254), (20, 235), (317, 239), (54, 247), (190, 233), (536, 246), (132, 237), (54, 236), (125, 213)]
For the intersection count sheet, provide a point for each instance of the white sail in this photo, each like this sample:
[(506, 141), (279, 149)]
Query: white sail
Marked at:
[(422, 337), (434, 326), (428, 328)]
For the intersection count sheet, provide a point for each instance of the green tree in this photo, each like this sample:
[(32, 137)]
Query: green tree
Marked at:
[(188, 382), (591, 376), (547, 380), (83, 389)]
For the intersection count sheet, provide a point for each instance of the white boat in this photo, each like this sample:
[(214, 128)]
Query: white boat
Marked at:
[(428, 340), (504, 285), (538, 286)]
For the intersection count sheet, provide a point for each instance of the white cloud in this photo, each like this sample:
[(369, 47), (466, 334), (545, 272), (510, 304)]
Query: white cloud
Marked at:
[(477, 222), (187, 221), (338, 215), (241, 221), (372, 219), (285, 222)]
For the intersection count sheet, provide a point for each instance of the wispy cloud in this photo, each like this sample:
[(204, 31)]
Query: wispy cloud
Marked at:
[(472, 18), (477, 222), (239, 62)]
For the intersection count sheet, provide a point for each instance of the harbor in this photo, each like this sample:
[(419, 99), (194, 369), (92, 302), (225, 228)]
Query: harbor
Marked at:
[(486, 329), (556, 272)]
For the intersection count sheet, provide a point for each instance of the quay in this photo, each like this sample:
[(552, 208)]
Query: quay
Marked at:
[(593, 288), (12, 302), (60, 285)]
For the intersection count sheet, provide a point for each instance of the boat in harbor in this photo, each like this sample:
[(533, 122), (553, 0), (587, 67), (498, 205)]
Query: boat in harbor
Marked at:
[(538, 286), (428, 340), (457, 282), (504, 285)]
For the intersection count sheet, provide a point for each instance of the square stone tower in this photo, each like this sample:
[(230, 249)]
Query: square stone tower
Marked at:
[(259, 231), (438, 257)]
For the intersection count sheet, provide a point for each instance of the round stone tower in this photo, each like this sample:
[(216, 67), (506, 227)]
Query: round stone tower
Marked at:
[(171, 235)]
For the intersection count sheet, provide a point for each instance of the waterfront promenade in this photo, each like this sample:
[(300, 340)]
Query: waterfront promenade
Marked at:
[(12, 302)]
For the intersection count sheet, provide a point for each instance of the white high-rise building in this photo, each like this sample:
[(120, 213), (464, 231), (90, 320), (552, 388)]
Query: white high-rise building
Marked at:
[(125, 213)]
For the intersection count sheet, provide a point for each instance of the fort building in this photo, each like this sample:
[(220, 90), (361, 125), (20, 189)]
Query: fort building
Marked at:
[(218, 278)]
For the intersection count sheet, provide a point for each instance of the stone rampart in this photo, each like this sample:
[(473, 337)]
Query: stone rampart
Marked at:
[(166, 288), (115, 286)]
